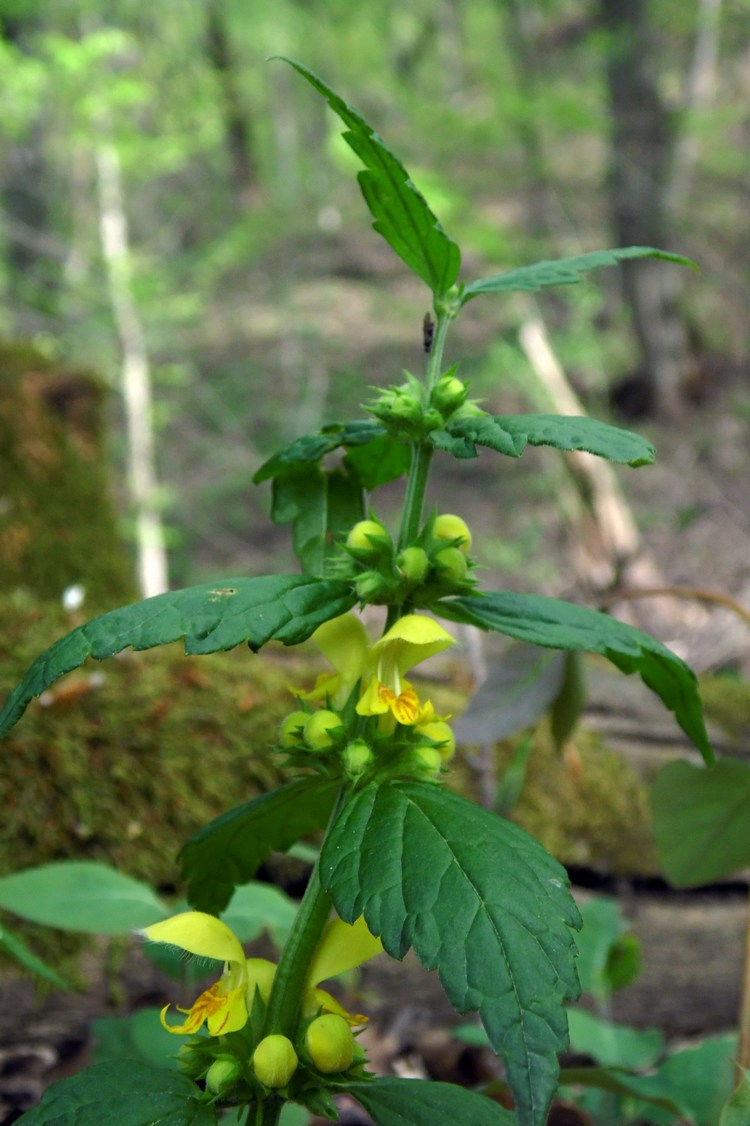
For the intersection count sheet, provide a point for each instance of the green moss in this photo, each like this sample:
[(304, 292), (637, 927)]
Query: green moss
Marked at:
[(57, 519), (588, 808), (726, 701)]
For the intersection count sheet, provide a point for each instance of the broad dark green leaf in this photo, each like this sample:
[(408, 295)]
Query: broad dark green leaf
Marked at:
[(11, 944), (312, 447), (563, 271), (609, 958), (413, 1102), (561, 625), (228, 850), (510, 434), (81, 895), (400, 211), (320, 505), (209, 617), (701, 820), (122, 1093), (480, 901)]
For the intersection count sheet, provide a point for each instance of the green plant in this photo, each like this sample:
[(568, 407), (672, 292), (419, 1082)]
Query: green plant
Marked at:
[(404, 862)]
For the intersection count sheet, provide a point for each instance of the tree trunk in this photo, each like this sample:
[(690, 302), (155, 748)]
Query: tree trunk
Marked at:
[(136, 376), (642, 147), (236, 124)]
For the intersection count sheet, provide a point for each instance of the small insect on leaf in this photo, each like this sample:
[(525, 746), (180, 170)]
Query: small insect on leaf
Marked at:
[(428, 333)]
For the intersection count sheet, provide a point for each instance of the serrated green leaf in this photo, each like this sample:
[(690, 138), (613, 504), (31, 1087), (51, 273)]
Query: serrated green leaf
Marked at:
[(413, 1102), (480, 901), (401, 214), (701, 820), (228, 851), (320, 505), (122, 1093), (210, 617), (81, 895), (562, 625), (563, 271), (18, 949), (312, 447), (511, 434)]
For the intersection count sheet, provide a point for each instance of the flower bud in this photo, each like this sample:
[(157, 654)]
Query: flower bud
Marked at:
[(275, 1061), (442, 733), (424, 762), (260, 975), (290, 729), (330, 1043), (413, 564), (223, 1074), (372, 587), (448, 394), (367, 536), (356, 757), (450, 527), (318, 728), (450, 564), (192, 1059)]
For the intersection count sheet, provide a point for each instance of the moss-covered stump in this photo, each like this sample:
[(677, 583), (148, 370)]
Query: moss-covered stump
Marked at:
[(124, 759), (58, 525)]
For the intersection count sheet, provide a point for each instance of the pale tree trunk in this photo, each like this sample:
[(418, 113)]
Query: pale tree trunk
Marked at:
[(642, 147), (135, 374)]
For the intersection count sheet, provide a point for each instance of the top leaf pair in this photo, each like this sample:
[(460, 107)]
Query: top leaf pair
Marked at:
[(404, 219)]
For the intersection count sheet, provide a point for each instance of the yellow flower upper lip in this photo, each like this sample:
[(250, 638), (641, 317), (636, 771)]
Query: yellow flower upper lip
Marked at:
[(410, 640), (224, 1005)]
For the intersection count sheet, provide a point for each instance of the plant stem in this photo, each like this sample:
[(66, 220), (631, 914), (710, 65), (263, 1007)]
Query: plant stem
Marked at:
[(290, 978), (743, 1049)]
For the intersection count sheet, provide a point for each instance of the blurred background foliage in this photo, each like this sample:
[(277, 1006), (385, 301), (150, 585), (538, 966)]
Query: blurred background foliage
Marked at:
[(247, 274)]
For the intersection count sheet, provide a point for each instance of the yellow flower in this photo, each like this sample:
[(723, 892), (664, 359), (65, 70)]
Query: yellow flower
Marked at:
[(224, 1006), (344, 642), (410, 640)]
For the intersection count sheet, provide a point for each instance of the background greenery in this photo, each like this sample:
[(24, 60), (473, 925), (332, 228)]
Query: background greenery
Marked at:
[(266, 303)]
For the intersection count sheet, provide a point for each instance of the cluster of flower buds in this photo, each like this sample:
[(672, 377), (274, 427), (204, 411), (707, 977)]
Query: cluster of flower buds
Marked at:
[(410, 412), (437, 564)]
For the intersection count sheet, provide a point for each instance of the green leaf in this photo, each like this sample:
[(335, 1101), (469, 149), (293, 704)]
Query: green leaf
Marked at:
[(567, 707), (561, 625), (255, 908), (122, 1093), (380, 461), (511, 434), (614, 1045), (18, 949), (413, 1102), (620, 1082), (138, 1036), (563, 271), (736, 1110), (229, 850), (701, 820), (81, 895), (608, 957), (309, 449), (480, 901), (210, 617), (320, 505), (401, 213)]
